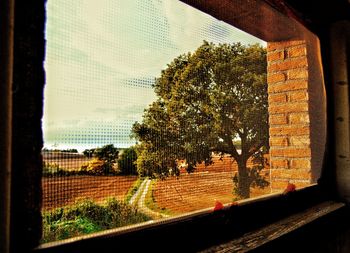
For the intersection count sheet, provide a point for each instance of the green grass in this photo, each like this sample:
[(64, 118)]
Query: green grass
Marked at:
[(151, 202), (88, 217), (133, 189), (54, 170)]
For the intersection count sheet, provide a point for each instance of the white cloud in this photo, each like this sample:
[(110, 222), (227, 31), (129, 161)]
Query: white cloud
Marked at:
[(187, 25)]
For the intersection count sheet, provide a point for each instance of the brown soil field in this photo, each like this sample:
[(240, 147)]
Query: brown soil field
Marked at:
[(191, 192), (186, 193), (197, 191), (62, 191)]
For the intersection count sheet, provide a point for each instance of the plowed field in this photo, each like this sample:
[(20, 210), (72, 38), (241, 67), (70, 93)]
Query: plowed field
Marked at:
[(61, 191), (197, 191), (186, 193), (191, 192)]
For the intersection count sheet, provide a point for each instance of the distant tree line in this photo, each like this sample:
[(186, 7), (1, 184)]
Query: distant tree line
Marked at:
[(106, 160), (71, 150)]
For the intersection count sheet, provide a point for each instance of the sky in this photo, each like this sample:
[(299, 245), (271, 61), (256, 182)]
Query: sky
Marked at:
[(102, 57)]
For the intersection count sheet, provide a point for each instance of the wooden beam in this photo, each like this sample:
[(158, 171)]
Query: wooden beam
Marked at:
[(340, 36), (6, 63)]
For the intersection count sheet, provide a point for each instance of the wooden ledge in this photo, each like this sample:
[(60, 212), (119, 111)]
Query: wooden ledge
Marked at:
[(255, 239)]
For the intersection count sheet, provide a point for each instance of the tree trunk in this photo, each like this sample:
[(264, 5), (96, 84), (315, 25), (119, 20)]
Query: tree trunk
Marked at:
[(243, 179)]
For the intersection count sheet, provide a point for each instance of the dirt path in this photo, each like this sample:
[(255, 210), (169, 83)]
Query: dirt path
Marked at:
[(140, 197), (137, 193)]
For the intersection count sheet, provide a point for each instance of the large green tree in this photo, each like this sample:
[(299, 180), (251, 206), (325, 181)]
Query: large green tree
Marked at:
[(207, 100)]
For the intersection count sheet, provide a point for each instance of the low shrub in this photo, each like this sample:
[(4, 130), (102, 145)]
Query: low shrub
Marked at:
[(93, 167), (88, 217), (63, 229), (97, 167), (52, 169)]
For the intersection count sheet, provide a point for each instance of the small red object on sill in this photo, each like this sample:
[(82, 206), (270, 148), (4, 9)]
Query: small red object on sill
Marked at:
[(290, 188), (218, 205)]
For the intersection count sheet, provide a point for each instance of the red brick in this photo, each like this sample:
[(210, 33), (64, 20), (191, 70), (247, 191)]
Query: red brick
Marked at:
[(277, 98), (300, 164), (299, 118), (290, 152), (276, 77), (297, 74), (288, 86), (288, 107), (301, 174), (278, 141), (275, 56), (281, 184), (296, 51), (283, 44), (298, 96), (300, 141), (287, 65), (277, 119), (290, 130), (279, 163)]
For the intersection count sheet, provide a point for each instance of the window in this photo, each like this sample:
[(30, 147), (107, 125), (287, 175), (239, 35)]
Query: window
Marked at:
[(109, 71), (157, 109)]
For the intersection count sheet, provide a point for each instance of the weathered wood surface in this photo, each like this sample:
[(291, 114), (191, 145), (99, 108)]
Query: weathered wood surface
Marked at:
[(262, 236)]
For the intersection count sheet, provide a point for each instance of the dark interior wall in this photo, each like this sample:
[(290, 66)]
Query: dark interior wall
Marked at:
[(27, 90)]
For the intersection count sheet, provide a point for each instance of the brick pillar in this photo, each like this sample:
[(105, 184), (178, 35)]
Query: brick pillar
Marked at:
[(287, 77)]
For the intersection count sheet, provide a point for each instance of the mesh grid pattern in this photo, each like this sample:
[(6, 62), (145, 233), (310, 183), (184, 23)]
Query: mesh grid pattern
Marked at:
[(102, 61)]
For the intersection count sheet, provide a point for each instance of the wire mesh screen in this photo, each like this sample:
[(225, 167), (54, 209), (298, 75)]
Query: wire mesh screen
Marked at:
[(152, 109)]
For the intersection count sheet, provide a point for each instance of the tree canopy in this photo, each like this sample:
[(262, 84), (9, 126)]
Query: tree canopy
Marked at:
[(213, 100), (127, 161), (108, 155)]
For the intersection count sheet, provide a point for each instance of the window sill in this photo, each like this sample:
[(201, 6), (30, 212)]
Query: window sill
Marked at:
[(256, 239)]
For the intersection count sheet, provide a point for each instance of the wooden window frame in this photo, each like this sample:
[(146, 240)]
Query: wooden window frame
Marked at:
[(22, 54)]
